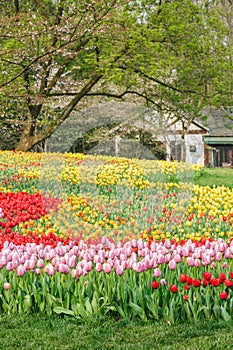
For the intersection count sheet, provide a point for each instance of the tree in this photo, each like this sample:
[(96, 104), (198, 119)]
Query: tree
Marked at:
[(192, 49), (57, 54)]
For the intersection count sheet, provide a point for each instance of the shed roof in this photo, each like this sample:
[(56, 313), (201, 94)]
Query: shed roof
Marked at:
[(217, 122)]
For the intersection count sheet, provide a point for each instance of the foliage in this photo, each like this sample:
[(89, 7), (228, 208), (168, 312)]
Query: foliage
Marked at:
[(174, 54)]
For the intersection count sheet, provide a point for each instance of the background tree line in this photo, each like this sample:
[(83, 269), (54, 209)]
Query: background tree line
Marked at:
[(61, 56)]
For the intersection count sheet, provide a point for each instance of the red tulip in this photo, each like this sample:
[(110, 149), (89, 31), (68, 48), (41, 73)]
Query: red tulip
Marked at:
[(205, 282), (215, 282), (196, 282), (186, 287), (223, 295), (155, 284), (183, 278), (173, 288), (207, 276), (222, 276), (189, 280), (228, 282)]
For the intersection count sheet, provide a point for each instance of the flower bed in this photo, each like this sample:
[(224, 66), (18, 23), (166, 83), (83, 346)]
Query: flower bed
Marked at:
[(128, 238)]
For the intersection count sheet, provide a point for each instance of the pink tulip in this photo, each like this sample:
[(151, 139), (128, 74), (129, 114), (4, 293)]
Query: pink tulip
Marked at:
[(107, 268), (6, 285), (98, 267), (119, 270), (21, 270), (163, 282), (9, 266), (63, 268), (190, 261), (228, 253), (177, 258), (40, 263), (157, 272), (49, 269), (167, 258), (71, 261), (96, 258), (172, 264), (160, 259), (218, 256)]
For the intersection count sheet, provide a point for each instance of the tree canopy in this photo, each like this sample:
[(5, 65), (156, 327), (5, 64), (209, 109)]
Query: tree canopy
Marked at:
[(58, 55)]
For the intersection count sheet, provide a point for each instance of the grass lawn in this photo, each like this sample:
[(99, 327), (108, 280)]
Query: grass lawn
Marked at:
[(216, 176), (38, 332)]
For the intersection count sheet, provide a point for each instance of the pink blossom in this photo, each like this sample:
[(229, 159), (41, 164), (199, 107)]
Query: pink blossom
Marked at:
[(49, 269), (157, 272), (63, 268), (167, 244), (190, 261), (71, 261), (9, 266), (21, 270), (40, 263), (6, 285), (228, 253), (107, 268), (98, 267), (119, 270), (172, 264), (177, 258), (163, 282), (160, 259), (218, 256), (167, 257)]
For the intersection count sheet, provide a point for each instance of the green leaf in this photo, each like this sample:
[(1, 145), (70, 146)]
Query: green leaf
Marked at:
[(138, 310), (27, 303), (88, 307), (61, 310), (225, 314)]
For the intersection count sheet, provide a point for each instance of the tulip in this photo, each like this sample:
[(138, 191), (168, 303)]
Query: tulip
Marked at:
[(163, 282), (119, 270), (107, 268), (172, 264), (173, 288), (196, 282), (157, 272), (155, 284), (98, 267), (6, 285), (21, 270), (183, 278), (49, 269), (228, 282), (207, 275), (223, 295), (40, 263)]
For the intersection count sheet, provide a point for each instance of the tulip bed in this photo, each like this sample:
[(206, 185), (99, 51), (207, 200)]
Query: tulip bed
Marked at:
[(91, 236)]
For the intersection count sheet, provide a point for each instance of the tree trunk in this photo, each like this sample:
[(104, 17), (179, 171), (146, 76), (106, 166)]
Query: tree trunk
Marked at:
[(183, 148), (29, 138)]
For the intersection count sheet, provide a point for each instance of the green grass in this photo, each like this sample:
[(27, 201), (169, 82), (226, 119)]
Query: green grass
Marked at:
[(38, 332), (216, 176)]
